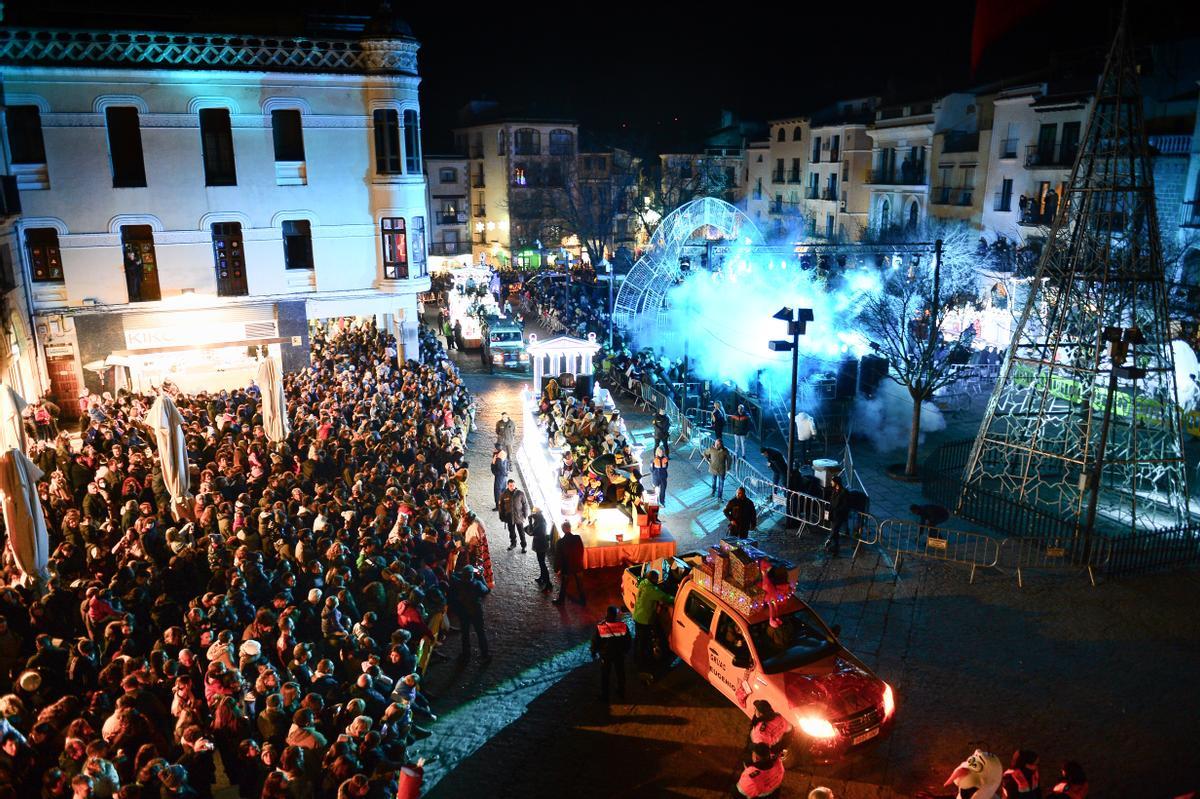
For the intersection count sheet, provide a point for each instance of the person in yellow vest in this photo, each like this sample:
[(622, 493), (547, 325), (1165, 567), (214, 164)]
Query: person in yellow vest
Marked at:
[(762, 776), (610, 643), (768, 727)]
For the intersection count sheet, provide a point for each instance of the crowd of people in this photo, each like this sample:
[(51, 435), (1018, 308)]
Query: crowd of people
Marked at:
[(277, 623)]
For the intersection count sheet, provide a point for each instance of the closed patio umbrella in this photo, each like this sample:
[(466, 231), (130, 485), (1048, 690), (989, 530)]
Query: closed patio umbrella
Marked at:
[(23, 515), (12, 427), (274, 407), (164, 419)]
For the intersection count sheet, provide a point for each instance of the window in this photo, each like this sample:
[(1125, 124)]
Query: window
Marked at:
[(125, 147), (729, 635), (229, 258), (387, 142), (141, 264), (297, 244), (816, 149), (25, 143), (562, 142), (528, 142), (288, 135), (395, 248), (8, 279), (448, 175), (835, 147), (554, 175), (216, 139), (500, 141), (1004, 200), (412, 142), (519, 176), (796, 133), (417, 243), (781, 135), (45, 259), (700, 610)]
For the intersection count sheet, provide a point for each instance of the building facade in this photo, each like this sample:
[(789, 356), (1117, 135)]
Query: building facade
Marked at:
[(186, 206), (448, 180), (898, 181), (962, 144), (510, 161), (836, 198), (787, 139)]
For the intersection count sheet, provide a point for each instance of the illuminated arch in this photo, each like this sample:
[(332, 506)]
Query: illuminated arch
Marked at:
[(646, 286)]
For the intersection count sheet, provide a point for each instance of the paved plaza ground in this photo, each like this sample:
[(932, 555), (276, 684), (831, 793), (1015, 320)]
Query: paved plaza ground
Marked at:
[(1103, 675)]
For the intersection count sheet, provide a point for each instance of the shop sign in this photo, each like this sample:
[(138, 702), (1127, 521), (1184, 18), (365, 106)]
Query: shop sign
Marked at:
[(59, 351), (190, 334)]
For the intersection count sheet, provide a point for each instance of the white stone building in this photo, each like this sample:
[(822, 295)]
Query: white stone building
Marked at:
[(836, 198), (447, 177), (188, 198), (902, 137)]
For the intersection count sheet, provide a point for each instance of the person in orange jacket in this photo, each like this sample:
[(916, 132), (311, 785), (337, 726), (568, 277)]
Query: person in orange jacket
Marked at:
[(762, 776)]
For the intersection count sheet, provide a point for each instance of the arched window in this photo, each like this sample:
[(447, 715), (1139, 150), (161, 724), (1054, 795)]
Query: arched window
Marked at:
[(796, 133), (781, 135), (562, 142), (885, 215), (913, 213), (527, 141), (412, 143)]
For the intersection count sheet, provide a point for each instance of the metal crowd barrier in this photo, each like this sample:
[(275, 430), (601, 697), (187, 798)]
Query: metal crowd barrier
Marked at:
[(1052, 554), (808, 510), (864, 529), (935, 543)]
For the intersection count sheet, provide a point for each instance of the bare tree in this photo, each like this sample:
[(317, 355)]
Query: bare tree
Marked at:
[(668, 182), (593, 203)]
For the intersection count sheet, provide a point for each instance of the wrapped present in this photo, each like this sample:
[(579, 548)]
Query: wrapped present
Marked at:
[(643, 519), (743, 569), (655, 529), (720, 566)]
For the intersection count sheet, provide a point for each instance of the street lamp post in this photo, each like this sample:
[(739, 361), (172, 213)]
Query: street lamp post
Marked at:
[(797, 323), (608, 268)]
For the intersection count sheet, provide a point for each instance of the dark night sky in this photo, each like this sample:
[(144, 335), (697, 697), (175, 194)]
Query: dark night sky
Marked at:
[(666, 72)]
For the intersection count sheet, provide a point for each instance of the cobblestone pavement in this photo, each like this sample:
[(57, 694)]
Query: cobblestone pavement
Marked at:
[(1104, 675)]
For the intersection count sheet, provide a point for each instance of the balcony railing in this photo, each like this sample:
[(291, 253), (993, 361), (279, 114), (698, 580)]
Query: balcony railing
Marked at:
[(1037, 155), (477, 182), (450, 248), (776, 207), (940, 195), (963, 196), (952, 195), (1002, 202), (834, 156), (452, 219), (777, 176), (905, 175), (478, 211), (829, 194), (794, 176), (1191, 214), (811, 193), (1008, 148)]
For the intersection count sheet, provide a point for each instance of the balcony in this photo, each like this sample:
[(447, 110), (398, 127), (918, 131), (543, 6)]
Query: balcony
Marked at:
[(834, 156), (794, 176), (906, 175), (960, 142), (1002, 202), (452, 219), (1009, 147), (811, 193), (828, 193), (477, 182), (1191, 214), (940, 195), (478, 211), (450, 248), (777, 176), (776, 207), (1062, 156)]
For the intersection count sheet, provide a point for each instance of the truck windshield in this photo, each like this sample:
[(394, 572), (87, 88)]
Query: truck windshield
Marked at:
[(798, 640), (498, 337)]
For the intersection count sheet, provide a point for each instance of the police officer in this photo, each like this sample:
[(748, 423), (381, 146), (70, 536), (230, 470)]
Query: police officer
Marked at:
[(610, 643), (768, 727), (762, 776)]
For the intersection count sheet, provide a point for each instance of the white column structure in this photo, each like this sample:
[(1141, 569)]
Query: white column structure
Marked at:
[(564, 354)]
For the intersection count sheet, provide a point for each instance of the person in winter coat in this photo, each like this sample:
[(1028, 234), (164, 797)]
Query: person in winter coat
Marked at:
[(768, 727), (658, 473), (499, 473), (719, 417), (662, 431), (506, 432), (539, 539), (777, 462), (610, 643), (465, 598), (839, 514), (717, 458), (514, 512), (741, 513), (739, 425), (570, 563), (645, 606), (1020, 781)]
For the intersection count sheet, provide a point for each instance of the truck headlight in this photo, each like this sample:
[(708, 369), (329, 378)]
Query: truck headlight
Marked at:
[(524, 356), (816, 727), (889, 701), (497, 358)]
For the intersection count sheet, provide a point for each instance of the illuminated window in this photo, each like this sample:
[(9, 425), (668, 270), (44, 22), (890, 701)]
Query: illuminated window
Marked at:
[(229, 259), (519, 177), (141, 263), (416, 241), (395, 248), (387, 142), (25, 144), (125, 147), (288, 135), (297, 244), (45, 259), (216, 140)]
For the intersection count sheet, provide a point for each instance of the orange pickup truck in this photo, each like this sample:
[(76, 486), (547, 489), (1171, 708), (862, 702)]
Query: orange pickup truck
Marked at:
[(832, 700)]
